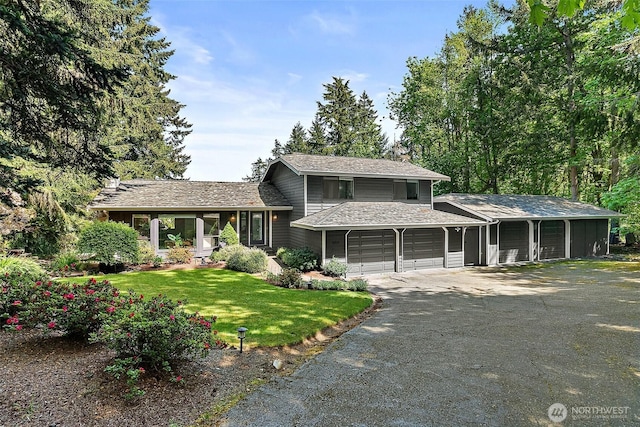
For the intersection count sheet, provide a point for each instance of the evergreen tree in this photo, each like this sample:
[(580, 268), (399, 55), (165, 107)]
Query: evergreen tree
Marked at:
[(297, 142)]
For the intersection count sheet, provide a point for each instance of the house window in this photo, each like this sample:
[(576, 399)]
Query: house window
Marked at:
[(211, 231), (405, 190), (181, 227), (142, 224), (337, 188)]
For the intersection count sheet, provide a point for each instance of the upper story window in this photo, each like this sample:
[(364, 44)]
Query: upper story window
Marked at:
[(337, 188), (405, 190)]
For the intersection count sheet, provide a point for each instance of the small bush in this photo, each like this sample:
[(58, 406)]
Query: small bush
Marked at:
[(303, 259), (327, 285), (228, 235), (335, 268), (224, 253), (20, 270), (179, 255), (154, 332), (111, 243), (290, 278), (72, 308), (357, 285), (66, 261), (248, 260), (146, 254)]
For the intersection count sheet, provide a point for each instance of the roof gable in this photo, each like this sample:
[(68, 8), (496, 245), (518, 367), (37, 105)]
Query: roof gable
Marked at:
[(183, 194), (309, 164)]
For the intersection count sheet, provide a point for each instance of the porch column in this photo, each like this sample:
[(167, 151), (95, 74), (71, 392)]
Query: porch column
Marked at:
[(446, 247), (346, 248), (464, 232), (398, 268), (324, 246), (539, 234), (567, 238), (498, 243), (531, 241), (238, 225), (270, 228), (487, 244)]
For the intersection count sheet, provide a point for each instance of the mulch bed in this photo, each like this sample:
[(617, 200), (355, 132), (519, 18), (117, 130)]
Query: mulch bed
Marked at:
[(50, 380)]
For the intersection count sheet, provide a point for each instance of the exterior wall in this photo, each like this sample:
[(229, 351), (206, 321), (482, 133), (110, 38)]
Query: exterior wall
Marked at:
[(514, 241), (280, 230), (472, 246), (335, 245), (364, 190), (589, 237), (492, 247), (455, 253), (292, 187)]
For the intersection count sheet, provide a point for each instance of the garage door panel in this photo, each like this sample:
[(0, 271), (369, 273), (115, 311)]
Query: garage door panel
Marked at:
[(371, 252), (423, 248)]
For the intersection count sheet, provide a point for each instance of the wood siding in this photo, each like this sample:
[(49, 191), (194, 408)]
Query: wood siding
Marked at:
[(292, 188), (365, 190), (280, 230)]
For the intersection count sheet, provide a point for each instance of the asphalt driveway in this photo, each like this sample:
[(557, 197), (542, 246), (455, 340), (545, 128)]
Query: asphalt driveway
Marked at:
[(475, 346)]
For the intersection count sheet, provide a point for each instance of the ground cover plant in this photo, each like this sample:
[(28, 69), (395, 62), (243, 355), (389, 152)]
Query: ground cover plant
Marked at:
[(274, 316)]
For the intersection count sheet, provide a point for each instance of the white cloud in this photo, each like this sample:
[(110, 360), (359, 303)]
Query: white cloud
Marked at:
[(294, 78), (328, 24), (182, 42), (353, 76)]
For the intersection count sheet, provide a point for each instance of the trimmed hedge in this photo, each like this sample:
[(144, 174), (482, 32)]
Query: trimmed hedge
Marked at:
[(304, 259), (111, 242)]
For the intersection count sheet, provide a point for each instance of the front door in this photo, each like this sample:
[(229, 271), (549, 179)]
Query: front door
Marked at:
[(257, 228)]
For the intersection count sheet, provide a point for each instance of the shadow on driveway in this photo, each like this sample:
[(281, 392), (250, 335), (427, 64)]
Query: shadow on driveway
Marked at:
[(474, 347)]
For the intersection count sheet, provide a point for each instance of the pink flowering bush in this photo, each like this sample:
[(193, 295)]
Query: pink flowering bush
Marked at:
[(154, 332), (17, 279)]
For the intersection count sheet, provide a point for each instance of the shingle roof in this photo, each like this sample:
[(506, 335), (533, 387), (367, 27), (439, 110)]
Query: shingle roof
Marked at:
[(504, 206), (188, 195), (372, 215), (308, 164)]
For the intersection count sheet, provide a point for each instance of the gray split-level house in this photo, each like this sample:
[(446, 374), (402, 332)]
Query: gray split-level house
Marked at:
[(375, 215)]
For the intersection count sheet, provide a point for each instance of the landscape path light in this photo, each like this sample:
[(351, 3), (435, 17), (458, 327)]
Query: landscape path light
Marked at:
[(242, 331)]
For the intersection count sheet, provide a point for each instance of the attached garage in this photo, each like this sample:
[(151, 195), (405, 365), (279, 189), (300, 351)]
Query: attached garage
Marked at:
[(422, 249), (589, 237), (552, 241), (371, 251), (514, 241)]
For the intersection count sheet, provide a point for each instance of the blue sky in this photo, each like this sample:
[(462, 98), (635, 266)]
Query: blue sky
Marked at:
[(248, 71)]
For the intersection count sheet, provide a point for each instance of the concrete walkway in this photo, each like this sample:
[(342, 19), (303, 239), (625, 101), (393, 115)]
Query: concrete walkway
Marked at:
[(473, 347)]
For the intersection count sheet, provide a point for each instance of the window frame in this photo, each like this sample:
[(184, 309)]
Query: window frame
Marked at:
[(341, 192)]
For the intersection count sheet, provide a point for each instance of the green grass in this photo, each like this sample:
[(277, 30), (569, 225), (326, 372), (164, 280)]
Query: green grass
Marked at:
[(273, 316)]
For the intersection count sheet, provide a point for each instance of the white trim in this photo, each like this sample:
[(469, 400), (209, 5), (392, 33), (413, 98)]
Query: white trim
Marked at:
[(346, 248), (530, 229), (305, 193), (539, 236), (446, 247), (498, 242), (567, 239), (324, 247), (270, 228)]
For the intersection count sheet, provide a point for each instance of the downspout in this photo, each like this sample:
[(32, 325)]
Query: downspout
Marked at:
[(446, 247)]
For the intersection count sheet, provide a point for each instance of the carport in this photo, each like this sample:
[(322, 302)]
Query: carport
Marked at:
[(532, 228), (389, 236)]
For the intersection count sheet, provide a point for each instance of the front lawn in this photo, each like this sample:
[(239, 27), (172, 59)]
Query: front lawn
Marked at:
[(273, 316)]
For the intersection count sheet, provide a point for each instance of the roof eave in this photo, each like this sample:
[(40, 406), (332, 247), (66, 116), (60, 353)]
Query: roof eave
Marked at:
[(382, 226), (375, 175), (186, 209)]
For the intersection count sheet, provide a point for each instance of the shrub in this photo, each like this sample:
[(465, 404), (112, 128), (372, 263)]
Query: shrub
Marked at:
[(72, 308), (248, 260), (290, 278), (111, 243), (357, 285), (228, 235), (154, 332), (66, 261), (335, 268), (146, 254), (327, 285), (20, 270), (179, 255), (303, 259), (224, 253)]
